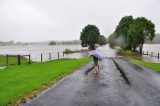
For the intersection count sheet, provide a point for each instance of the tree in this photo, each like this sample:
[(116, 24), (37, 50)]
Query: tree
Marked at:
[(122, 30), (141, 30), (52, 43), (132, 33), (102, 40), (89, 35)]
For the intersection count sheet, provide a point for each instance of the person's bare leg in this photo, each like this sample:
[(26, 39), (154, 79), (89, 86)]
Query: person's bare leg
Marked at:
[(96, 69)]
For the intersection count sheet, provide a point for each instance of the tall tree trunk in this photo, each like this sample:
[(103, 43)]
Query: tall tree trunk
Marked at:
[(141, 48), (134, 48)]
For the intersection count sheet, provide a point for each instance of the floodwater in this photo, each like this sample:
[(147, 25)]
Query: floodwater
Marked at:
[(152, 48), (36, 50), (155, 49)]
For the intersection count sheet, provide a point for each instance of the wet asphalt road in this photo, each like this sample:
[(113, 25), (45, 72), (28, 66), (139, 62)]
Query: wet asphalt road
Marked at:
[(120, 83)]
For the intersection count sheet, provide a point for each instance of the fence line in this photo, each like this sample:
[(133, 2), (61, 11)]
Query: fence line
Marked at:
[(19, 57), (151, 54)]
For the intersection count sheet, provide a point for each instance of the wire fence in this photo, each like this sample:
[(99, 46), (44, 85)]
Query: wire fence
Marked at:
[(151, 54), (8, 59)]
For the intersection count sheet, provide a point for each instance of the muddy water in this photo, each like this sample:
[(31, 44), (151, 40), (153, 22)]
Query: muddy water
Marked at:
[(107, 52), (152, 48), (36, 50), (155, 49)]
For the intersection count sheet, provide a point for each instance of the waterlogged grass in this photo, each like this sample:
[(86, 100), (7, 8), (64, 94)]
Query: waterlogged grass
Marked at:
[(18, 81), (12, 60), (154, 66)]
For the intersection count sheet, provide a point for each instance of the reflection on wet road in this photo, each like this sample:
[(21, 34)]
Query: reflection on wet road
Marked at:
[(109, 88)]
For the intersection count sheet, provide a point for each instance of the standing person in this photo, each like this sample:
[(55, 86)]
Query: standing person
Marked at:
[(96, 56)]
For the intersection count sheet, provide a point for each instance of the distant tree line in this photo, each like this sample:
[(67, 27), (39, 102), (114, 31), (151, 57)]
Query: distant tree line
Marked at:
[(74, 42), (52, 43), (3, 43), (156, 40), (131, 33), (7, 43)]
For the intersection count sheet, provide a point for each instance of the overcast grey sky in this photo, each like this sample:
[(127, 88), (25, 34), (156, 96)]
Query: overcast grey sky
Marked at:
[(41, 20)]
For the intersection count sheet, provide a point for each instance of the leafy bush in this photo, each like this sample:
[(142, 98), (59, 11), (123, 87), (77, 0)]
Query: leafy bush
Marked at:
[(67, 51)]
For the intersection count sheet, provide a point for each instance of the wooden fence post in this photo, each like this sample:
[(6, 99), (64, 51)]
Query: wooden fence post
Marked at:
[(58, 55), (29, 59), (158, 55), (41, 57), (7, 58), (63, 54), (50, 57), (19, 59), (151, 54)]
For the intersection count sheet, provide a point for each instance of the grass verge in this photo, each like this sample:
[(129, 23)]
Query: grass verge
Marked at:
[(154, 66), (12, 60), (20, 82), (128, 53)]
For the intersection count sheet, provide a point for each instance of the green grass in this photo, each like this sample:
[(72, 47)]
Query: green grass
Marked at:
[(12, 60), (154, 66), (18, 81), (127, 53)]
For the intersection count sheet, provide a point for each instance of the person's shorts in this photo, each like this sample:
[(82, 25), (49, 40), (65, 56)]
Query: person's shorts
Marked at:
[(95, 60)]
